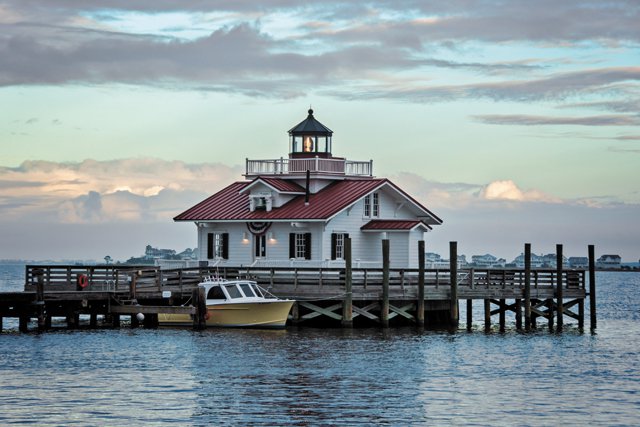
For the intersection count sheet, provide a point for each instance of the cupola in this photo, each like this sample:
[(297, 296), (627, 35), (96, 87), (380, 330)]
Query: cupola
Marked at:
[(310, 138)]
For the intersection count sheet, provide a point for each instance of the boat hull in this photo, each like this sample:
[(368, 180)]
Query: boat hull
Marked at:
[(263, 314)]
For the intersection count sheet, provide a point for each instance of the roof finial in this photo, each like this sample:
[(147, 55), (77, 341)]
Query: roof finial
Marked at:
[(310, 110)]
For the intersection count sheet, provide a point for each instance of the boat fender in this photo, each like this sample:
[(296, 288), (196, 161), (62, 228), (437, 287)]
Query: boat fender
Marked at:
[(82, 281), (207, 315)]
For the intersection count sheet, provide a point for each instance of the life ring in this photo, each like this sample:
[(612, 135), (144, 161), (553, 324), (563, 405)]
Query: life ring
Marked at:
[(82, 281)]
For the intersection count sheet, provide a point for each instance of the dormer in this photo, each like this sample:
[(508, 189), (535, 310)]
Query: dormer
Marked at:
[(268, 193), (310, 138)]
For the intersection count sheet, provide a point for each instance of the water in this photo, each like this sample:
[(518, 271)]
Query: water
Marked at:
[(327, 377)]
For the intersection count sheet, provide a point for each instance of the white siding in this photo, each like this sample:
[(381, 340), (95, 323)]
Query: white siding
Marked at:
[(366, 247)]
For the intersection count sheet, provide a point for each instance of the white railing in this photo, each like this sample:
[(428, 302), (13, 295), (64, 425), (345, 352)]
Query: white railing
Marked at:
[(315, 164)]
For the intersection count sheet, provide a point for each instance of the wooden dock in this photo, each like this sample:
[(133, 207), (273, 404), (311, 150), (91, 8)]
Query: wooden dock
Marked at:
[(331, 297)]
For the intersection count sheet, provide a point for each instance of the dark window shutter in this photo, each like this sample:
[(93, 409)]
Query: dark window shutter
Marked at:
[(292, 245), (307, 245), (334, 239), (225, 245), (210, 246)]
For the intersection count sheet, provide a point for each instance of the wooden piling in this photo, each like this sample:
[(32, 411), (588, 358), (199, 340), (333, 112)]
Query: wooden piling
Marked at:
[(559, 288), (502, 315), (550, 312), (200, 302), (453, 279), (420, 305), (347, 303), (384, 314), (518, 314), (487, 315), (527, 287), (592, 286), (93, 320), (23, 324), (469, 314), (42, 315), (295, 313)]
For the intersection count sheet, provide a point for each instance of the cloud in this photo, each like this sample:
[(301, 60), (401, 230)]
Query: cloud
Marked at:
[(142, 189), (348, 51), (529, 120), (508, 190), (117, 207), (555, 87)]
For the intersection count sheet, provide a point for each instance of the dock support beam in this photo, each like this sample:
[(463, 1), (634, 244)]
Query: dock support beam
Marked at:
[(453, 266), (200, 303), (518, 314), (42, 314), (487, 315), (592, 286), (420, 309), (527, 287), (384, 315), (559, 290), (23, 324), (347, 304)]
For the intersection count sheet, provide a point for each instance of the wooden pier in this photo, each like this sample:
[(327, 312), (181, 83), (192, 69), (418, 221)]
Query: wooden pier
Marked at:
[(334, 297)]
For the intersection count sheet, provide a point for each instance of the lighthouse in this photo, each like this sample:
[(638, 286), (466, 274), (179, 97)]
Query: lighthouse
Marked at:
[(297, 210)]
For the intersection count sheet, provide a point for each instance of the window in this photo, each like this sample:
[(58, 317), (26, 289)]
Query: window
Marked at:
[(372, 206), (218, 246), (337, 245), (300, 245), (367, 206), (261, 246), (233, 291), (216, 293), (246, 289), (376, 205), (307, 145)]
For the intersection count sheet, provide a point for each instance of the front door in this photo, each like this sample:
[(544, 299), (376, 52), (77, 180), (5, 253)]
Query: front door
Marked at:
[(260, 246)]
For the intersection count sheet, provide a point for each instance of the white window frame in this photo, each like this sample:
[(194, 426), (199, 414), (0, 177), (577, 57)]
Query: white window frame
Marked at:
[(340, 245), (371, 205), (300, 246)]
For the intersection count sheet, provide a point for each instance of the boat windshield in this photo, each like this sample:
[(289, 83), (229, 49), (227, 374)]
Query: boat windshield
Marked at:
[(256, 289), (247, 290), (233, 291)]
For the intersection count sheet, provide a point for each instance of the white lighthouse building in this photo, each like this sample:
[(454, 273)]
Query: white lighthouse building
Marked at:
[(297, 211)]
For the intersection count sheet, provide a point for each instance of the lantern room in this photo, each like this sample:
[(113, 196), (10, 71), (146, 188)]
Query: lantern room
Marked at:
[(310, 138)]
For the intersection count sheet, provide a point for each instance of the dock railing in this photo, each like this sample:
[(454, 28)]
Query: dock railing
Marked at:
[(295, 281)]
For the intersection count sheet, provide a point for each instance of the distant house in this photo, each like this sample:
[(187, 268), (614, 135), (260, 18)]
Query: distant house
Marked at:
[(487, 261), (151, 253), (609, 261), (299, 211), (537, 261), (433, 260), (578, 262)]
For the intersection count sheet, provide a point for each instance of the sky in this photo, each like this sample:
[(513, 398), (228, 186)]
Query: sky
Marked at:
[(513, 121)]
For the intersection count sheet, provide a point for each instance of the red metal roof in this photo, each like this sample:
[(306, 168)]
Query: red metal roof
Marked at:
[(392, 224), (280, 185), (230, 204)]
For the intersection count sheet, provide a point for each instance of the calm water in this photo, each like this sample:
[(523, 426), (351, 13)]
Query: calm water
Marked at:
[(327, 377)]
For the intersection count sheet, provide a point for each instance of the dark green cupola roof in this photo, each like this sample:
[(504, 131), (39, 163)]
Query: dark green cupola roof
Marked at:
[(310, 126)]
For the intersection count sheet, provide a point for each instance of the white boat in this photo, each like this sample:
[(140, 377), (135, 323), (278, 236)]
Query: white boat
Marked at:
[(236, 303)]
